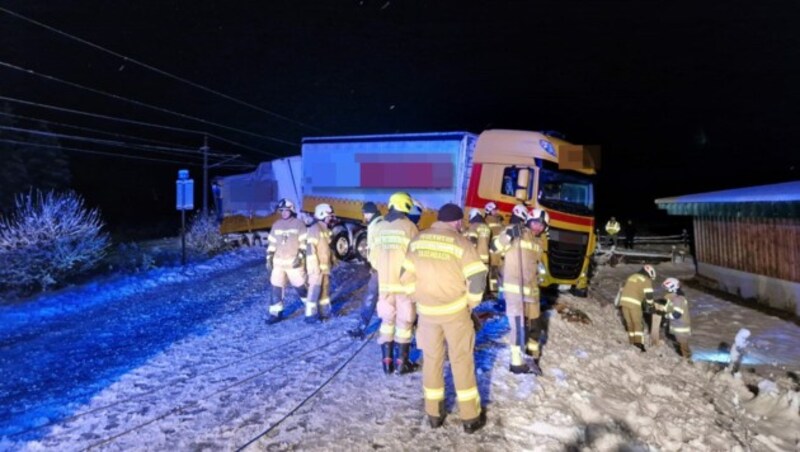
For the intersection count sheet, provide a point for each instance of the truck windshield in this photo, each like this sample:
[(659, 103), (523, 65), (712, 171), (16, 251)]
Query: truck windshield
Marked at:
[(566, 192)]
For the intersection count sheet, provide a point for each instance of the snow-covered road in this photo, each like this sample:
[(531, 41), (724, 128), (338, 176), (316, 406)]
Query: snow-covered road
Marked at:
[(183, 360)]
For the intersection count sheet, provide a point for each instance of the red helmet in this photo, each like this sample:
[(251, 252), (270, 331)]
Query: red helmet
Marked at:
[(671, 284)]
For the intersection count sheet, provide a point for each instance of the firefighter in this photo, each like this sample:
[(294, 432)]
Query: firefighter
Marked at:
[(416, 213), (395, 308), (479, 234), (286, 258), (372, 217), (446, 278), (676, 309), (612, 229), (522, 250), (495, 223), (318, 264), (638, 289)]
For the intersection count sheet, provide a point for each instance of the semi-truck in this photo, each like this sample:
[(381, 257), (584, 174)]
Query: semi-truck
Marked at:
[(502, 166)]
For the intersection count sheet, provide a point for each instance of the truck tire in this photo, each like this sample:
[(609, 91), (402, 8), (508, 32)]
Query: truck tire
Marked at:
[(581, 293), (361, 247), (341, 245)]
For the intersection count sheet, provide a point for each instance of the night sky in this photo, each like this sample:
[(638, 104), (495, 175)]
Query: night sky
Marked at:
[(683, 97)]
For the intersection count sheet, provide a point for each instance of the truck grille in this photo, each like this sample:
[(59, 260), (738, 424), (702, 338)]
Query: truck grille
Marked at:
[(566, 251)]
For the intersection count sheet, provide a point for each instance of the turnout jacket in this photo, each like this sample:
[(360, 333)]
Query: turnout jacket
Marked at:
[(480, 235), (286, 239), (318, 254), (392, 236), (443, 273), (638, 288), (526, 251)]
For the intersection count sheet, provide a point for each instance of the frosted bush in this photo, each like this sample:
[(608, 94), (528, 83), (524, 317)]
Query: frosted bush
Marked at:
[(203, 236), (47, 238)]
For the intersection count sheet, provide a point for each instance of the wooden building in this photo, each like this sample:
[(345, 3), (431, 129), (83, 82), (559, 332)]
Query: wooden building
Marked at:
[(748, 240)]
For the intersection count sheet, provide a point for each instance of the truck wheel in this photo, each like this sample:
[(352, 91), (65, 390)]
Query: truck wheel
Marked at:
[(582, 293), (361, 247), (341, 245)]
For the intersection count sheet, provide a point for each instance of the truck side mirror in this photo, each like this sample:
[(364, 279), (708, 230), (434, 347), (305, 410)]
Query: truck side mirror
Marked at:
[(523, 179)]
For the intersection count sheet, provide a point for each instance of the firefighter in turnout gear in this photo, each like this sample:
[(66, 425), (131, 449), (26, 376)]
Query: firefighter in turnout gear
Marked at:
[(495, 223), (638, 289), (395, 308), (479, 234), (520, 244), (318, 264), (676, 309), (372, 217), (286, 258), (446, 278)]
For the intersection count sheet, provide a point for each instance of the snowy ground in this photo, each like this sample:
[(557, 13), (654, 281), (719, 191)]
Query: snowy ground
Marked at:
[(183, 360)]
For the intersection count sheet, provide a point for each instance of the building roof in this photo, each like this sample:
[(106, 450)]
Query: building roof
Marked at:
[(775, 200)]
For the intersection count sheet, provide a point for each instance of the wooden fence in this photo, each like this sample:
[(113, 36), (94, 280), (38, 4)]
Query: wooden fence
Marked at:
[(763, 246)]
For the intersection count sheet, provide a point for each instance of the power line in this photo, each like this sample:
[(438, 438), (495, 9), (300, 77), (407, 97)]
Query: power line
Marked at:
[(86, 129), (143, 104), (159, 71), (86, 151), (145, 147), (134, 122)]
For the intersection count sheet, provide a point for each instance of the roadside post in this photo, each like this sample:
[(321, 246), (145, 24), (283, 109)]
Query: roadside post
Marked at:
[(184, 201)]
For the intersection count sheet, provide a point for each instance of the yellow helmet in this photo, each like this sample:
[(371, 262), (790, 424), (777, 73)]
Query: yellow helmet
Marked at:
[(401, 202)]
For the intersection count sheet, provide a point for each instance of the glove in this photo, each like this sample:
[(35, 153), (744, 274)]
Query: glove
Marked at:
[(473, 240), (476, 321), (514, 232), (270, 258), (299, 260)]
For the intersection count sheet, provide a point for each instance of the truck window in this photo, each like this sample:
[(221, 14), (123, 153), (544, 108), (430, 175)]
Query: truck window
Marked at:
[(516, 182), (566, 192)]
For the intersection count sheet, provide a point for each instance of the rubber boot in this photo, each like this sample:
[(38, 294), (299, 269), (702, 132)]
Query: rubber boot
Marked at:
[(387, 348), (518, 364), (437, 421), (312, 304), (532, 338), (473, 425), (275, 298), (640, 347), (325, 312), (404, 364), (370, 301)]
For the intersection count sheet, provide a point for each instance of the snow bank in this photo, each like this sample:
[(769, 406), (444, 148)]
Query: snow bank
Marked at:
[(296, 386)]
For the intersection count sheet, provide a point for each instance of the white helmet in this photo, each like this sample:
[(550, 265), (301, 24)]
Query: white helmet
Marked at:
[(541, 215), (323, 211), (650, 270), (671, 284), (286, 204), (490, 207), (474, 213), (520, 211)]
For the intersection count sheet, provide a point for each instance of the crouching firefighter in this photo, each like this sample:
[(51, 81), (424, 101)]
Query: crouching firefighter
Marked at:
[(286, 258), (676, 309), (638, 289), (479, 234), (395, 308), (444, 275), (372, 217), (520, 244), (318, 264)]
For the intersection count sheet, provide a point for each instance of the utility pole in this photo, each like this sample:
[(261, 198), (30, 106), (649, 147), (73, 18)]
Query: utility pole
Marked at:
[(205, 175)]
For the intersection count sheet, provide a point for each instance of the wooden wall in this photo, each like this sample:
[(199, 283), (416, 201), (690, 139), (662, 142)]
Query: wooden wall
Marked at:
[(764, 246)]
